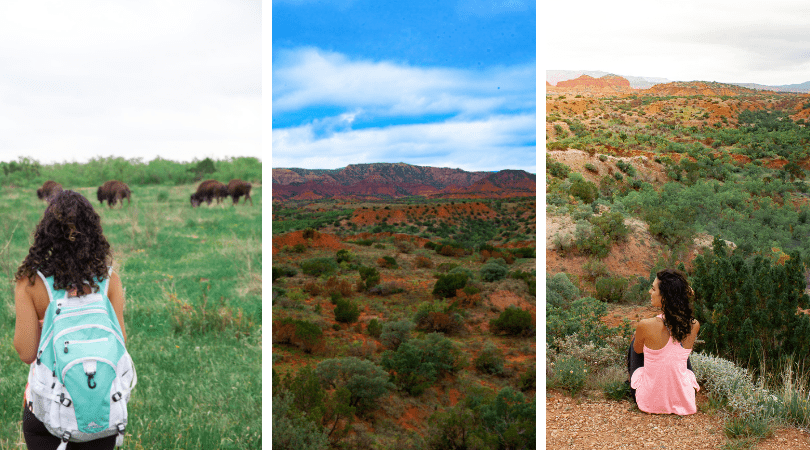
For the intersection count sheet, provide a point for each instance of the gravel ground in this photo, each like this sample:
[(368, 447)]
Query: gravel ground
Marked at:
[(591, 423)]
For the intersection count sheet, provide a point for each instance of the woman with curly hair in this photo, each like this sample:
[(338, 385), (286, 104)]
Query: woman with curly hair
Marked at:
[(69, 246), (658, 357)]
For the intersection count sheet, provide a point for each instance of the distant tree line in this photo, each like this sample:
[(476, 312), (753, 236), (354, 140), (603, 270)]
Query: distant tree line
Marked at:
[(27, 172)]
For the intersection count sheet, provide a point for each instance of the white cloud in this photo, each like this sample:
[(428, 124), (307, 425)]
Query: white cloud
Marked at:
[(495, 143), (311, 77)]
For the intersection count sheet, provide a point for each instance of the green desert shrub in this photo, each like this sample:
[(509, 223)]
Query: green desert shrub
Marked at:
[(292, 429), (283, 271), (374, 328), (490, 360), (395, 333), (319, 266), (369, 276), (611, 289), (365, 380), (747, 308), (417, 364), (343, 255), (512, 321), (446, 285), (584, 190), (569, 374), (346, 311), (492, 271)]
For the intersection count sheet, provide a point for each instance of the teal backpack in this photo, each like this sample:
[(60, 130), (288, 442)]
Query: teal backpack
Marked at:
[(80, 383)]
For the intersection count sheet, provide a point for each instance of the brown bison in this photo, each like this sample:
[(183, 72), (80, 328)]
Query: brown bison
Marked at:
[(238, 188), (207, 191), (114, 191), (48, 190)]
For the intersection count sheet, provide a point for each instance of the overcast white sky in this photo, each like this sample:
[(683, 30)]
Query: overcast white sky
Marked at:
[(710, 40), (137, 79)]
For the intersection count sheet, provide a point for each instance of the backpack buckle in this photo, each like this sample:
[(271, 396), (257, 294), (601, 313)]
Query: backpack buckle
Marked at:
[(65, 402), (117, 396)]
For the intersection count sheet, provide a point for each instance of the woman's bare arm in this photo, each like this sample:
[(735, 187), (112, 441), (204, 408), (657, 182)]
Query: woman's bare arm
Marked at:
[(639, 336), (26, 328)]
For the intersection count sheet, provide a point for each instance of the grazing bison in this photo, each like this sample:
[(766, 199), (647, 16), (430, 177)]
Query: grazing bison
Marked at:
[(207, 191), (238, 188), (48, 190), (114, 191)]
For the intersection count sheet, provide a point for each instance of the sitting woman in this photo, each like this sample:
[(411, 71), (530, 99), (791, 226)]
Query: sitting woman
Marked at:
[(658, 358)]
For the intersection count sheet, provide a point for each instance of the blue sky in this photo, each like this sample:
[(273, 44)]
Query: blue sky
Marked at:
[(444, 84)]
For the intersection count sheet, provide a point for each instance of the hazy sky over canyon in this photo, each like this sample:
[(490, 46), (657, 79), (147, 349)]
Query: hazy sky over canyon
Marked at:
[(708, 40), (446, 84), (141, 79)]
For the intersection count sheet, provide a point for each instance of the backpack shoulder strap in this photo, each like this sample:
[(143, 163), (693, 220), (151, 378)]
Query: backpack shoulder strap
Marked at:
[(48, 282), (104, 286)]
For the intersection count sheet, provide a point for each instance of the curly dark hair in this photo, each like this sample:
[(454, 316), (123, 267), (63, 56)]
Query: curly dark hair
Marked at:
[(68, 244), (676, 295)]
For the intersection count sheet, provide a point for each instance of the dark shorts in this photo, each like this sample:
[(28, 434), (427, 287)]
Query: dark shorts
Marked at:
[(38, 437)]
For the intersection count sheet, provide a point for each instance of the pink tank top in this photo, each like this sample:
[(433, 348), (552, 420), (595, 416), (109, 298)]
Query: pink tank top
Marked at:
[(664, 385)]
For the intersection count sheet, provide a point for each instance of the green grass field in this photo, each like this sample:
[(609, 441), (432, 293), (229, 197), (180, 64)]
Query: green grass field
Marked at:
[(192, 314)]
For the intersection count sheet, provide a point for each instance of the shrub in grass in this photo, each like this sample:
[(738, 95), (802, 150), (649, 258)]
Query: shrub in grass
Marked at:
[(293, 429), (374, 328), (387, 262), (300, 333), (418, 363), (318, 266), (365, 380), (369, 276), (569, 374), (299, 248), (493, 272), (462, 270), (342, 287), (508, 421), (346, 311), (490, 360), (446, 267), (423, 262), (528, 380), (395, 333), (404, 246), (437, 317), (590, 167), (616, 390), (512, 321), (524, 252), (162, 196), (343, 255), (611, 289), (209, 318), (755, 426), (283, 271), (447, 285), (385, 289), (306, 393), (584, 190), (309, 233), (430, 245), (560, 290)]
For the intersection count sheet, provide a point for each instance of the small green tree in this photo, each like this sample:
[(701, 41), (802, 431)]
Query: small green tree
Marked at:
[(395, 333), (512, 321), (418, 363), (446, 285), (369, 275), (365, 380), (346, 311)]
